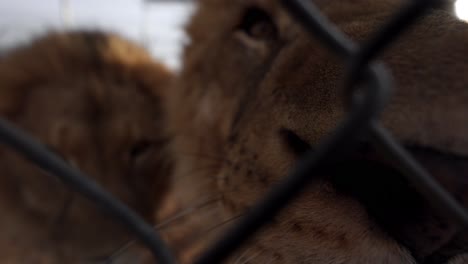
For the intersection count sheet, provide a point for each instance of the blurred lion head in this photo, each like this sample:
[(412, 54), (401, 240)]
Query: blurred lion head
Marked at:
[(94, 99)]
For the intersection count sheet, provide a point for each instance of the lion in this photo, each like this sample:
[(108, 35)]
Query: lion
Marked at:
[(93, 98), (257, 91)]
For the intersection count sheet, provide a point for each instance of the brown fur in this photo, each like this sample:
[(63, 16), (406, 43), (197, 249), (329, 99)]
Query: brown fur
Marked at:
[(237, 93), (94, 99)]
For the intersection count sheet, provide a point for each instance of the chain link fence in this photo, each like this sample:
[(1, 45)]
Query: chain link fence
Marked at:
[(365, 106)]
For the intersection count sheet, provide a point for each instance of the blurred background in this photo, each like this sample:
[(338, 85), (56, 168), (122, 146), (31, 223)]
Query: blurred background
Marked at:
[(157, 24)]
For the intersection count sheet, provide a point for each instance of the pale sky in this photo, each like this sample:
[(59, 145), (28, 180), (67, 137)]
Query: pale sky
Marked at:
[(162, 32)]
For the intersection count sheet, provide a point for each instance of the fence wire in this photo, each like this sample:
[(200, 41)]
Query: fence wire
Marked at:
[(364, 110)]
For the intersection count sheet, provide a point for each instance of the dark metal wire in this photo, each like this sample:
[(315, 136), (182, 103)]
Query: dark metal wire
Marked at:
[(385, 36), (311, 18), (444, 204), (51, 163), (339, 142), (365, 109)]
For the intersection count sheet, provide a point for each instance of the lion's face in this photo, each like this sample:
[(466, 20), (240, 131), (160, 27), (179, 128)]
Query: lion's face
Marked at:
[(256, 92), (93, 99)]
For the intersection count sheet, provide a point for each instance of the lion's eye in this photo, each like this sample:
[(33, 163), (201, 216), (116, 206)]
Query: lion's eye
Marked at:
[(258, 24)]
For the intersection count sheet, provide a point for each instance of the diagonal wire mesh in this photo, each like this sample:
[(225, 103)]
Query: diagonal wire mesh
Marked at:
[(365, 108), (363, 116)]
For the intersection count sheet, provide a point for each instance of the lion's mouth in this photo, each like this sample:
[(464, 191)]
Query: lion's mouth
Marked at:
[(393, 202), (396, 205)]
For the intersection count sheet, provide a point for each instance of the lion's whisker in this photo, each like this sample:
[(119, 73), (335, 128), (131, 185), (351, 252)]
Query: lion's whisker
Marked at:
[(200, 169), (242, 255), (160, 226), (194, 238), (222, 224), (186, 212), (204, 156), (251, 257)]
